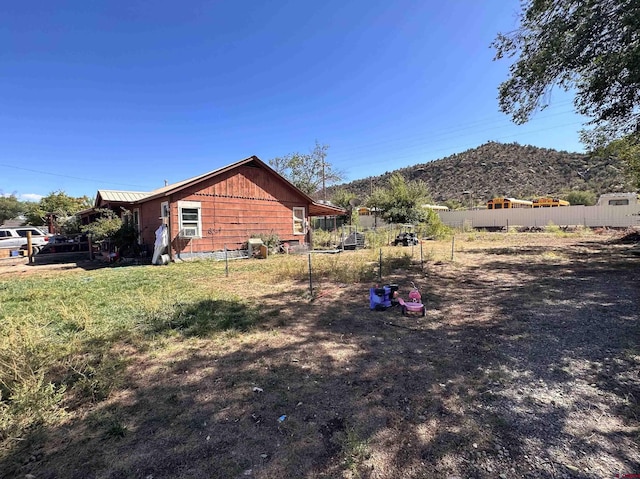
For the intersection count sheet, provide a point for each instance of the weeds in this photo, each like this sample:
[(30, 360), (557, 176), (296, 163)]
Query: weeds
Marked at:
[(355, 451), (32, 401)]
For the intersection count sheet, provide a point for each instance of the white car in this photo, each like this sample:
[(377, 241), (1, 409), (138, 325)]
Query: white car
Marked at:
[(17, 238)]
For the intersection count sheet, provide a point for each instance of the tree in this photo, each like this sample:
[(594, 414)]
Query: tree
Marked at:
[(58, 203), (591, 46), (309, 172), (401, 201), (626, 149), (349, 201), (587, 198), (119, 234), (10, 207)]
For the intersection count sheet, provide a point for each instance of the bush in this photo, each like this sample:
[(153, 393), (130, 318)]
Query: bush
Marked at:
[(587, 198), (377, 238), (321, 239), (434, 227), (271, 240)]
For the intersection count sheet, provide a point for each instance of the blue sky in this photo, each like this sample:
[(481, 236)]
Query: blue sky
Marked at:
[(125, 94)]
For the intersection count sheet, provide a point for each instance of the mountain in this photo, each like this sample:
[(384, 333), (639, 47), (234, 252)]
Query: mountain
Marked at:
[(512, 170)]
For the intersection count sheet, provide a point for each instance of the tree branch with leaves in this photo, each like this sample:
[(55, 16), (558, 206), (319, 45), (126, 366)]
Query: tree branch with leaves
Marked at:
[(590, 46), (309, 172)]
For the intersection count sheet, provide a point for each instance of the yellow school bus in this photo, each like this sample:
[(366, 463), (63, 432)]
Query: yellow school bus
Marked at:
[(547, 202), (506, 203)]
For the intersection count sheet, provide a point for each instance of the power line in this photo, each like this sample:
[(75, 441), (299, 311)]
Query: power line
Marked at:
[(430, 138), (69, 176), (431, 152)]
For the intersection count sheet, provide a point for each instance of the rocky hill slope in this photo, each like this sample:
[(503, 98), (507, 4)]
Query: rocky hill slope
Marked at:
[(513, 170)]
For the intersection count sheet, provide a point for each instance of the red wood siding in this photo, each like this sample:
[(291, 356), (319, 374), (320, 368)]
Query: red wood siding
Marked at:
[(234, 206), (149, 221)]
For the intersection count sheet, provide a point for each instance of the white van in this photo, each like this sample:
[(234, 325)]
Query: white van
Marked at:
[(17, 238)]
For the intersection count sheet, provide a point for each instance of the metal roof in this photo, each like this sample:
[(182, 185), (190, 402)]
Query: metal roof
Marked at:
[(122, 196), (324, 209)]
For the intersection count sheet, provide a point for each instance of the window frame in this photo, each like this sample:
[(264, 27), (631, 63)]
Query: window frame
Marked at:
[(300, 220), (190, 205)]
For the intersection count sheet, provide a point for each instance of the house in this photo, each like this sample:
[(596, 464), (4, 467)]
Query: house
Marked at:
[(219, 209)]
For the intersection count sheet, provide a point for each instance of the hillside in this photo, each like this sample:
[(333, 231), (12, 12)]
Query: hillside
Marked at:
[(498, 169)]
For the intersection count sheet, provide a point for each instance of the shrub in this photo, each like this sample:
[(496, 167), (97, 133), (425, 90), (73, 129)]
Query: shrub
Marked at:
[(321, 239), (434, 227), (271, 240), (587, 198)]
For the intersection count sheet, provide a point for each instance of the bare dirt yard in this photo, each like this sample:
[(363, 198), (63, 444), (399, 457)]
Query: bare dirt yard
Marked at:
[(526, 365)]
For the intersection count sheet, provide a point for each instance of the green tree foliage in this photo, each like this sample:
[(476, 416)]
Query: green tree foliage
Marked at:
[(401, 201), (590, 46), (58, 203), (454, 204), (348, 201), (118, 234), (105, 227), (434, 227), (626, 149), (309, 172), (10, 207), (587, 198)]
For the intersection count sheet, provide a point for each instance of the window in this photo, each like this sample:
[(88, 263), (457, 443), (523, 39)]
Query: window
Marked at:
[(624, 202), (190, 219), (23, 233), (299, 227)]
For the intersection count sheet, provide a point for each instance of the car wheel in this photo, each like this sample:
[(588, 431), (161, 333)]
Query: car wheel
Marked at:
[(424, 311)]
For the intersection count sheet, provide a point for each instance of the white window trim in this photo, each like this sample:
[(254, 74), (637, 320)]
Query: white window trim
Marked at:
[(304, 220), (190, 205)]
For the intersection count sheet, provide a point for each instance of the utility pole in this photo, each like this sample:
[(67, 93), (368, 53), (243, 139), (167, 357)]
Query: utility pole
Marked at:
[(324, 189)]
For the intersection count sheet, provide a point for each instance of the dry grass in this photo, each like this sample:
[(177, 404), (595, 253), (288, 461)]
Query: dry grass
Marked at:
[(525, 364)]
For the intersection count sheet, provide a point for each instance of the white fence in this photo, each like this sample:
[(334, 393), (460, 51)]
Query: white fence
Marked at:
[(591, 216)]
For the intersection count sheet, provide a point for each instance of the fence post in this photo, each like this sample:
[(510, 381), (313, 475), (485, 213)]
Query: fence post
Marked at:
[(310, 278), (90, 246), (380, 267), (29, 247), (421, 258), (453, 245), (226, 262)]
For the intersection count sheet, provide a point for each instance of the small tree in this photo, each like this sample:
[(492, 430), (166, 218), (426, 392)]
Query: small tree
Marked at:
[(434, 227), (401, 201), (105, 227), (309, 172), (346, 199)]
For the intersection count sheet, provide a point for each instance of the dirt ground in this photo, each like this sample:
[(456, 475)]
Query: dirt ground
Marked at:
[(526, 365)]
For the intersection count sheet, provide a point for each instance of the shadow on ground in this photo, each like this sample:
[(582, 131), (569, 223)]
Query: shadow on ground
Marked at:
[(531, 373)]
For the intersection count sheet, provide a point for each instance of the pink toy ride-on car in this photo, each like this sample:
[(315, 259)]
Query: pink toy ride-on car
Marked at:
[(414, 305)]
